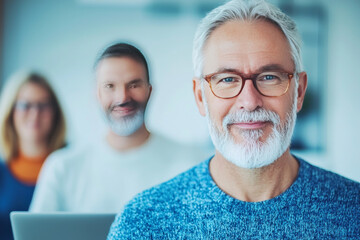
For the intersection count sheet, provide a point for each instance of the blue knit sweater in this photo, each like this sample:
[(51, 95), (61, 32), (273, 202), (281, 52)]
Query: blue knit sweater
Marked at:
[(318, 205)]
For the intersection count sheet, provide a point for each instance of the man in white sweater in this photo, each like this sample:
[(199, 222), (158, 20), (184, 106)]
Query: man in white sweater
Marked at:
[(104, 176)]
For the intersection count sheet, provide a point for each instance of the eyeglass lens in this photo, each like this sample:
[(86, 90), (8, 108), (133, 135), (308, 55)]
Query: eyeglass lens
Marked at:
[(229, 84), (26, 106)]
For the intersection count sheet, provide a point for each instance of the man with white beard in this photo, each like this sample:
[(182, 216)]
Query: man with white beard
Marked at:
[(102, 177), (249, 84)]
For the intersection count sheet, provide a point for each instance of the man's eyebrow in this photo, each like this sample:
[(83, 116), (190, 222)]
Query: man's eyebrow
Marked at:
[(265, 68), (107, 81), (271, 67), (227, 70), (134, 81)]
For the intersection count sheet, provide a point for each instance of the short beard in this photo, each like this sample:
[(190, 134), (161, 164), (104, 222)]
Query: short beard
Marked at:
[(125, 126), (253, 153)]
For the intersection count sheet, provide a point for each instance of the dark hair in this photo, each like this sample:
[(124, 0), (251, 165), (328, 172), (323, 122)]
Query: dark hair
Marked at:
[(124, 50)]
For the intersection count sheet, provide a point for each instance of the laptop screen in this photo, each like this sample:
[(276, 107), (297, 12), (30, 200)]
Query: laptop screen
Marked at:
[(60, 225)]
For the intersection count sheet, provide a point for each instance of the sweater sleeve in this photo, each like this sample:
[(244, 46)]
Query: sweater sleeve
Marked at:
[(47, 194)]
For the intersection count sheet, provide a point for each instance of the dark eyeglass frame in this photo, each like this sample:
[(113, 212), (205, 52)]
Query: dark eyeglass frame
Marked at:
[(245, 77), (25, 106)]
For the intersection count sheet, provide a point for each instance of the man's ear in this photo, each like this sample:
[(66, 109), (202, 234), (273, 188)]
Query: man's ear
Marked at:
[(199, 98), (150, 91), (301, 90)]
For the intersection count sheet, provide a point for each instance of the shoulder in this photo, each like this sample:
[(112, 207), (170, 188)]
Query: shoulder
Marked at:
[(167, 143), (179, 151), (329, 198), (152, 211), (67, 160), (70, 155), (329, 185), (160, 141), (174, 190), (326, 177), (3, 166), (4, 172)]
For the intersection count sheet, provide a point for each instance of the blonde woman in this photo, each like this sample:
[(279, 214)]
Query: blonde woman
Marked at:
[(32, 125)]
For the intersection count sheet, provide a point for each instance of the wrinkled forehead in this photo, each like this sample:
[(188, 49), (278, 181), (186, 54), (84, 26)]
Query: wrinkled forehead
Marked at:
[(120, 64), (239, 25), (120, 68), (250, 43)]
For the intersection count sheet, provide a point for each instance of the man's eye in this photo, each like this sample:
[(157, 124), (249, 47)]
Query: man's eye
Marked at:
[(225, 78), (269, 78), (109, 85), (228, 80), (133, 85)]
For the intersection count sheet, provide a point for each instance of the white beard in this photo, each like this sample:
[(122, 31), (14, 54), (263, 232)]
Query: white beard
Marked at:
[(252, 153), (126, 126)]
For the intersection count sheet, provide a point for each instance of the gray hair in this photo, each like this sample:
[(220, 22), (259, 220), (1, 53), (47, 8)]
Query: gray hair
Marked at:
[(246, 10)]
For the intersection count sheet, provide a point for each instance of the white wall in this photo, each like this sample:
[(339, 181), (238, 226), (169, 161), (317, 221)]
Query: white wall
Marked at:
[(343, 87), (62, 38)]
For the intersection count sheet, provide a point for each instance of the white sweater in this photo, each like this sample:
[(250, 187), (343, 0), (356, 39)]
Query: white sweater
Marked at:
[(101, 179)]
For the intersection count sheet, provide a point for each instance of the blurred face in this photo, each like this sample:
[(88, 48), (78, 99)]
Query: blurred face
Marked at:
[(250, 130), (123, 92), (33, 113)]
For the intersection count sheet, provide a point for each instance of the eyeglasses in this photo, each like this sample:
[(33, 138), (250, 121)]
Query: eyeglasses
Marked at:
[(230, 84), (26, 106)]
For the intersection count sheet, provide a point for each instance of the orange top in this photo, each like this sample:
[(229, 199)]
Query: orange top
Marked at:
[(26, 169)]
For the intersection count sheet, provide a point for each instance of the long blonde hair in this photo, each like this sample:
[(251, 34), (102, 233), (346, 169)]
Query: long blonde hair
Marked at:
[(9, 142)]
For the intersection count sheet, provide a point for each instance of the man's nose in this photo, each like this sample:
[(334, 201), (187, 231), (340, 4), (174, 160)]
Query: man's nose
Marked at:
[(122, 95), (249, 99)]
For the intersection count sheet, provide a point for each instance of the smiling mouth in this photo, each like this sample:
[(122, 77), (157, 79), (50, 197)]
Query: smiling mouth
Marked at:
[(251, 125), (123, 111)]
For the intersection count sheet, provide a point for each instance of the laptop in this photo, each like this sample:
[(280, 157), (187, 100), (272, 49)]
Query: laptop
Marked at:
[(60, 225)]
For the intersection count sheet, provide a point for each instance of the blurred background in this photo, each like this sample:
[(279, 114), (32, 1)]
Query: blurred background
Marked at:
[(61, 39)]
